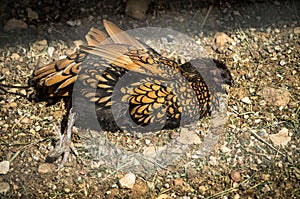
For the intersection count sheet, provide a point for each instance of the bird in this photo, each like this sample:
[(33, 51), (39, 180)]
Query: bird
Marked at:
[(124, 84)]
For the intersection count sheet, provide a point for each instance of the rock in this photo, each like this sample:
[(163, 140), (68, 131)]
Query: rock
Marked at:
[(4, 187), (50, 51), (32, 15), (40, 45), (14, 24), (273, 96), (178, 182), (67, 190), (15, 56), (246, 100), (26, 120), (46, 168), (4, 167), (202, 189), (212, 160), (127, 181), (137, 9), (188, 137), (164, 196), (297, 30), (220, 40), (72, 23), (281, 138), (78, 43), (225, 149), (235, 176)]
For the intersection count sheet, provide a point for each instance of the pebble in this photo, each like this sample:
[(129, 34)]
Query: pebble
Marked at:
[(188, 137), (127, 181), (40, 45), (14, 24), (67, 190), (25, 120), (246, 100), (4, 167), (278, 97), (282, 63), (220, 40), (50, 51), (32, 15), (15, 56), (4, 187), (46, 168), (297, 30), (147, 141), (178, 182), (212, 160), (164, 196), (235, 176), (202, 189), (73, 23), (224, 149), (137, 9), (78, 43), (12, 105)]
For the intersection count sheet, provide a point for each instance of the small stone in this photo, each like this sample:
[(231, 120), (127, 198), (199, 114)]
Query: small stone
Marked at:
[(235, 176), (220, 40), (72, 23), (14, 24), (164, 196), (188, 137), (4, 167), (202, 189), (137, 9), (12, 105), (67, 190), (297, 30), (78, 43), (255, 108), (32, 15), (25, 120), (246, 100), (23, 92), (46, 168), (40, 45), (4, 187), (178, 182), (147, 141), (50, 51), (15, 56), (282, 62), (212, 160), (127, 181), (225, 149), (236, 196), (5, 71), (277, 97)]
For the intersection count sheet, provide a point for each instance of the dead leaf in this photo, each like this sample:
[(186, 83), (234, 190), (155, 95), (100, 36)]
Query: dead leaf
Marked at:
[(281, 138)]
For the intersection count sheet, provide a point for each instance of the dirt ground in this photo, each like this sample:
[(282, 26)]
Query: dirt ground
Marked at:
[(258, 155)]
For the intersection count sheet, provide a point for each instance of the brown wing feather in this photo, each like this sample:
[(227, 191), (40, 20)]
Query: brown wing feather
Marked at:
[(127, 53), (121, 37), (119, 55), (96, 37)]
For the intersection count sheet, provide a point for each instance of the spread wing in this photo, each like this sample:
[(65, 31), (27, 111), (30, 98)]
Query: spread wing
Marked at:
[(119, 49)]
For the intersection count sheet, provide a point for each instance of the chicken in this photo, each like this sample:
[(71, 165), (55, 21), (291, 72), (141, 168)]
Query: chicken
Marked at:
[(126, 85)]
